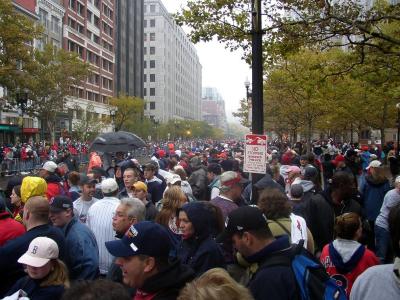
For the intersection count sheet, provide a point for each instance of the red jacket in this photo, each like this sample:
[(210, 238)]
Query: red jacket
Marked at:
[(346, 280), (9, 228)]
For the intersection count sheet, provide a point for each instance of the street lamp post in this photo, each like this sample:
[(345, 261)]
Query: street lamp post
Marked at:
[(249, 104), (112, 114), (22, 101), (398, 130)]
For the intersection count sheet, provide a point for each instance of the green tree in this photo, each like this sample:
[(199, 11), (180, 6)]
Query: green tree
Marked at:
[(88, 126), (16, 34), (243, 113), (50, 82), (299, 91), (129, 114)]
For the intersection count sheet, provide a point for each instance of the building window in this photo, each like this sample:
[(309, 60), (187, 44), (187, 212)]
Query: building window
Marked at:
[(55, 24), (144, 23), (80, 9), (152, 8), (152, 64), (145, 64), (152, 105), (152, 91), (107, 29), (107, 11), (152, 77), (96, 21), (72, 4), (144, 92), (145, 50), (96, 39), (152, 50), (107, 83), (153, 23), (80, 28), (71, 23), (43, 15), (152, 36), (145, 37), (56, 43), (145, 78), (89, 16)]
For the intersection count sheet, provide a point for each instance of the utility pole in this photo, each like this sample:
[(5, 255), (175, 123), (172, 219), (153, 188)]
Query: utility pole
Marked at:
[(257, 107)]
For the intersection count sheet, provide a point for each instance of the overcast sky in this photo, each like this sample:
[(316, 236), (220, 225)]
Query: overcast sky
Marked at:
[(222, 69)]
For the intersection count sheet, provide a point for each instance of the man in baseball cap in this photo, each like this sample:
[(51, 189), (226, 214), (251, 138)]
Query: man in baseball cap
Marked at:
[(82, 257), (53, 180), (247, 227), (142, 255)]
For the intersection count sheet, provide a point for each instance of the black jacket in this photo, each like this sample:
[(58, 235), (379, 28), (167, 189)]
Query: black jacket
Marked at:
[(265, 182), (167, 283), (35, 291), (200, 252), (273, 282)]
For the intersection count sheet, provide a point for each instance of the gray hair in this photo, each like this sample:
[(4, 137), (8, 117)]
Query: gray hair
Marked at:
[(136, 208)]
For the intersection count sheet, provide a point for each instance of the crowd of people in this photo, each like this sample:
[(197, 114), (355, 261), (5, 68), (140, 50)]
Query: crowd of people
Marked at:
[(26, 157), (188, 223)]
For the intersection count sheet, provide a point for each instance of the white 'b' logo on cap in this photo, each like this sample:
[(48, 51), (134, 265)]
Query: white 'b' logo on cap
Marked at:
[(34, 250)]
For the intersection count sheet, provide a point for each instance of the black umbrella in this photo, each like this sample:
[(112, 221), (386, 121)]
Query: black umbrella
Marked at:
[(120, 141)]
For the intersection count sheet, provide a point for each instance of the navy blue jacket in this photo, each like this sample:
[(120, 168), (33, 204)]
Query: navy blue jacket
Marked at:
[(273, 282), (82, 257), (35, 291), (200, 252), (10, 269)]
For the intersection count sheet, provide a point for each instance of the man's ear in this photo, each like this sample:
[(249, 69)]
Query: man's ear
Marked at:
[(132, 221), (150, 264), (247, 238)]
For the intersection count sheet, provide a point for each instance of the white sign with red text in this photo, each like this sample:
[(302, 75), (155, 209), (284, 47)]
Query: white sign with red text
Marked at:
[(255, 154)]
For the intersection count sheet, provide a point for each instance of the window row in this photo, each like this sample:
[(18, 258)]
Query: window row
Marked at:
[(95, 59), (152, 36), (53, 25), (152, 64), (152, 23), (152, 77), (152, 91), (92, 96), (152, 50), (151, 7)]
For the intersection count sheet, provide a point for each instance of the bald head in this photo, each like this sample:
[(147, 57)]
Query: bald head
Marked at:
[(37, 208)]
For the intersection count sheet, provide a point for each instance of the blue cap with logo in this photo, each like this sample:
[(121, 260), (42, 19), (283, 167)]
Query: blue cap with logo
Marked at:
[(143, 238)]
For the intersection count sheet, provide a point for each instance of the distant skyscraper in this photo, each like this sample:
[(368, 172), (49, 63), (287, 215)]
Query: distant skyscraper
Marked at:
[(172, 70), (129, 47), (213, 108)]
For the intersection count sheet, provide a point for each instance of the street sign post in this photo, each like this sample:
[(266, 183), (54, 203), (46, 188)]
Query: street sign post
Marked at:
[(255, 154)]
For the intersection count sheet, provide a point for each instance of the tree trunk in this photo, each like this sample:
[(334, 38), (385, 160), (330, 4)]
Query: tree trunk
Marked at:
[(309, 135), (384, 123), (51, 124)]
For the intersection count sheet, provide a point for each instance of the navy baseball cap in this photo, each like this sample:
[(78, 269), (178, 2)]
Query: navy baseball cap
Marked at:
[(60, 203), (243, 219), (143, 238)]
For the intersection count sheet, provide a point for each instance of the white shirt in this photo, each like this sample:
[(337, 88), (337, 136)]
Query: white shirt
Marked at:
[(81, 208), (99, 220)]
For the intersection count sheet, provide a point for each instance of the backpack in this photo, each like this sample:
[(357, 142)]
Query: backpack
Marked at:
[(312, 280)]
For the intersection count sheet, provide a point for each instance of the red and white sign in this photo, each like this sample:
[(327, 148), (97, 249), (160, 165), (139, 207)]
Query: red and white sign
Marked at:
[(255, 154)]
